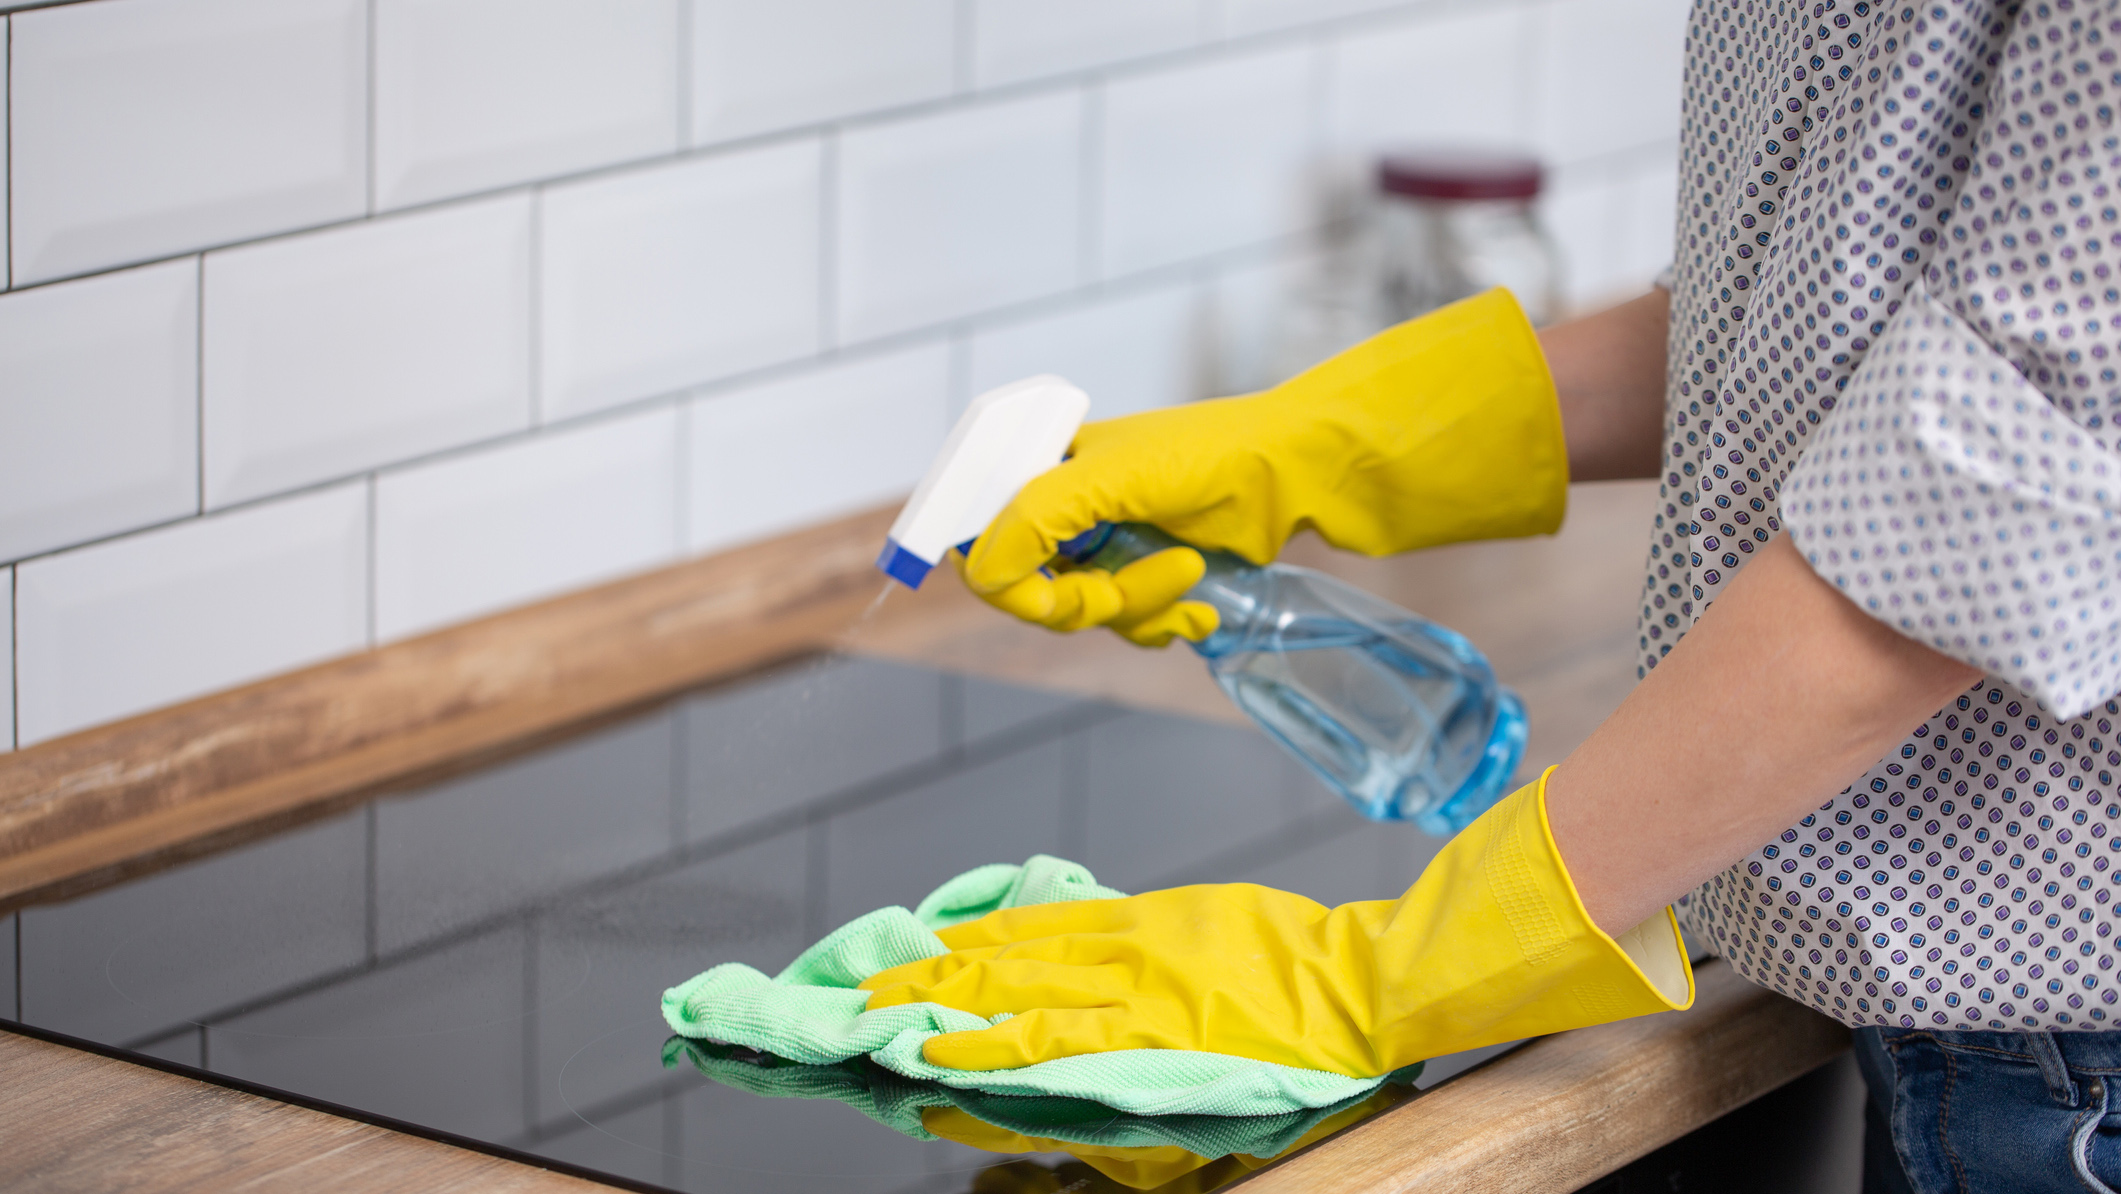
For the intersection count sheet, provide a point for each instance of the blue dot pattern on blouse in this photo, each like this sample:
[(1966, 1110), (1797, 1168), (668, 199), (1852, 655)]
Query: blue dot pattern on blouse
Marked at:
[(1896, 326)]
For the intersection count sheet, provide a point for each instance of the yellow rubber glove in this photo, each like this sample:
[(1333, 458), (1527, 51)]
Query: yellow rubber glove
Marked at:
[(1490, 945), (1443, 429)]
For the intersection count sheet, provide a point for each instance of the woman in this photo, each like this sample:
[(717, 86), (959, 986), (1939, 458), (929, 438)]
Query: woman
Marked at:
[(1880, 628)]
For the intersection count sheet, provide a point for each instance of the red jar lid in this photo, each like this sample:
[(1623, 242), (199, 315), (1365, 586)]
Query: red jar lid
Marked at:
[(1460, 172)]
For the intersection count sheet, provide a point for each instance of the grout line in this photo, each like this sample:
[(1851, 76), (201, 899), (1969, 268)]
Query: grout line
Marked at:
[(534, 342), (683, 88), (967, 34), (198, 395), (1090, 207), (370, 106), (373, 485), (828, 241), (7, 147), (681, 479), (14, 657)]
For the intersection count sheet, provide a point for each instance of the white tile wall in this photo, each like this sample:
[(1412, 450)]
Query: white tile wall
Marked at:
[(1584, 106), (474, 94), (99, 412), (1457, 77), (930, 196), (837, 439), (334, 352), (468, 535), (114, 629), (1613, 227), (1203, 158), (1129, 353), (941, 216), (758, 67), (142, 128), (1029, 39), (666, 277)]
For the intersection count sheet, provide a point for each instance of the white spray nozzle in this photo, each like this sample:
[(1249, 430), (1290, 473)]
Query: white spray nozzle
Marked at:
[(1006, 437)]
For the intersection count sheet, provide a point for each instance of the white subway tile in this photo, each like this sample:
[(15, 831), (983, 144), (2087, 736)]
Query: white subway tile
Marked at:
[(670, 276), (840, 438), (1456, 77), (945, 215), (143, 128), (118, 628), (1251, 309), (1028, 39), (1582, 210), (338, 351), (1583, 106), (1129, 353), (1652, 214), (99, 414), (758, 67), (470, 535), (475, 94), (1240, 17), (1205, 157), (7, 666)]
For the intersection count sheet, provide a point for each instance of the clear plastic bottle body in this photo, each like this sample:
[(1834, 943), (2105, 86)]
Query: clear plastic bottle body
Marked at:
[(1402, 717)]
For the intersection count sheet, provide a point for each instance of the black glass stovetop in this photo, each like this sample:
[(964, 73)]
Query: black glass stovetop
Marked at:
[(483, 957)]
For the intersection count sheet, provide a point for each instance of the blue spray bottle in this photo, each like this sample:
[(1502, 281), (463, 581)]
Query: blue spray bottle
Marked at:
[(1402, 717)]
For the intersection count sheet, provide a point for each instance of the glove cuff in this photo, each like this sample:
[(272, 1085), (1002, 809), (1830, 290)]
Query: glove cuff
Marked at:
[(1443, 429), (1493, 944)]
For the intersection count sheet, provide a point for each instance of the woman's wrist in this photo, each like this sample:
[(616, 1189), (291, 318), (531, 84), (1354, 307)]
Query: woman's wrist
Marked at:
[(1608, 370)]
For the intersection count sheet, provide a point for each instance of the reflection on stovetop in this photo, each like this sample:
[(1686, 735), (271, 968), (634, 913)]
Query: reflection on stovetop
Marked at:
[(484, 957)]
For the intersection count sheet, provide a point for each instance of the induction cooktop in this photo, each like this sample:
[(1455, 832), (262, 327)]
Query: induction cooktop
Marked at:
[(481, 958)]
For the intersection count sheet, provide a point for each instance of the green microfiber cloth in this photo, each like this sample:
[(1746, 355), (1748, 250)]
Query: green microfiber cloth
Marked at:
[(812, 1013), (897, 1103)]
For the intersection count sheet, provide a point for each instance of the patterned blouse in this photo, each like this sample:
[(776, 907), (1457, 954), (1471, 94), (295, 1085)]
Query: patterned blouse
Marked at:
[(1896, 325)]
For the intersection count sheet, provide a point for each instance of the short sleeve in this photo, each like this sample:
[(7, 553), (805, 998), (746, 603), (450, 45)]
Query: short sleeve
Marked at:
[(1949, 497)]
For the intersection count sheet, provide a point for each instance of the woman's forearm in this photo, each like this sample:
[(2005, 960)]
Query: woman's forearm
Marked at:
[(1608, 371), (1781, 695)]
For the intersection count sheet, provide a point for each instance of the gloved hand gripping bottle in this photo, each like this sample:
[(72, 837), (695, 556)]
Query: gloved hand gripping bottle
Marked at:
[(1399, 715)]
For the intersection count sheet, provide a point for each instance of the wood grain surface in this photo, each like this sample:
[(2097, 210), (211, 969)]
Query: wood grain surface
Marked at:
[(73, 1121), (101, 805), (1568, 1109)]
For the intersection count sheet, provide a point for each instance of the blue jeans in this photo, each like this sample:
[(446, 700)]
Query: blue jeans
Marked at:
[(1975, 1112)]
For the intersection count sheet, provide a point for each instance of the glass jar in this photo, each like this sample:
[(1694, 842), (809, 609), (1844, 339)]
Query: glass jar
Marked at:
[(1453, 222)]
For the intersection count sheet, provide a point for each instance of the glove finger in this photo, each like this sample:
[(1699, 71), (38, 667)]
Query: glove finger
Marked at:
[(1190, 620), (1040, 1035), (1151, 584), (1031, 598), (1082, 600)]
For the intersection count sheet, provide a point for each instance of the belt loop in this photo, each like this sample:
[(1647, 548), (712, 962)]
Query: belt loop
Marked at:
[(2049, 1055)]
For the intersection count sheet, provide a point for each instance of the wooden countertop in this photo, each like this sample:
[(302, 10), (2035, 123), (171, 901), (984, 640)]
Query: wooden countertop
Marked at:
[(1555, 615)]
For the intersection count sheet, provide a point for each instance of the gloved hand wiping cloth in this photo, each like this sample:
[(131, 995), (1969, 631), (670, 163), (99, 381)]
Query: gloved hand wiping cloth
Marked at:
[(816, 1012), (1216, 999), (1443, 429)]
